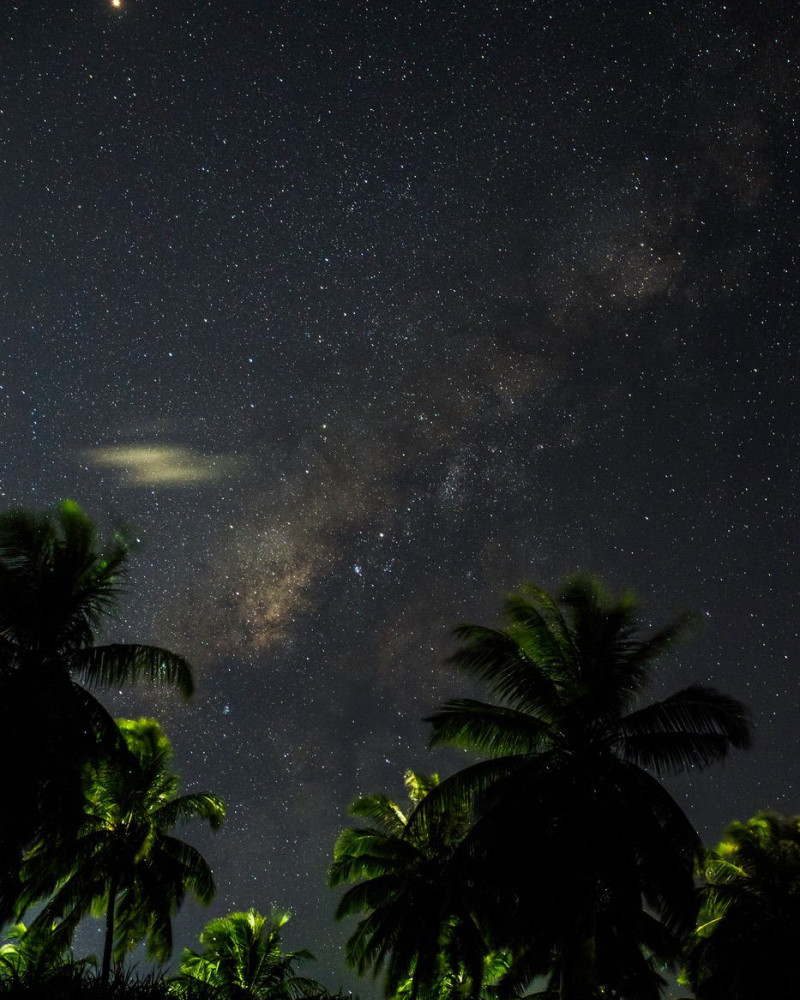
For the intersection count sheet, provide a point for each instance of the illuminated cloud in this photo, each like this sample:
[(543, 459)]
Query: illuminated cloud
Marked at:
[(162, 465)]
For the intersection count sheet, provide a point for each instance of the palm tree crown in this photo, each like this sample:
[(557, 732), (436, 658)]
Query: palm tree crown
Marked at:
[(56, 586), (242, 959), (582, 845), (749, 923), (125, 865), (416, 918), (32, 954)]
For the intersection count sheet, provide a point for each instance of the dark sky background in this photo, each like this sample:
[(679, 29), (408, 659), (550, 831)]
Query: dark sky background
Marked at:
[(364, 313)]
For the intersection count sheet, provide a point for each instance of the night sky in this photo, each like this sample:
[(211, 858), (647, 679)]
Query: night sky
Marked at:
[(361, 314)]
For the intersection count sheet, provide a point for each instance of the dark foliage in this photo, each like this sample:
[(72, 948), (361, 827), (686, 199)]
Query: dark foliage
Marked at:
[(749, 925), (57, 584), (412, 896), (73, 982), (586, 861)]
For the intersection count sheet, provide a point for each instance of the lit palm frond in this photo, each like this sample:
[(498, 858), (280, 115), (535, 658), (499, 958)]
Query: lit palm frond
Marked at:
[(749, 921), (242, 957), (124, 864)]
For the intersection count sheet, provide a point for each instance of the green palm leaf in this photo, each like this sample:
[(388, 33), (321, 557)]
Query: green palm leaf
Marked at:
[(123, 864), (381, 810), (489, 729), (750, 915), (407, 888), (242, 957), (194, 872), (497, 659), (104, 666), (200, 805)]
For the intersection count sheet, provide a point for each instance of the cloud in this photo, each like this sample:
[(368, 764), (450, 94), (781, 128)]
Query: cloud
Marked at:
[(162, 465)]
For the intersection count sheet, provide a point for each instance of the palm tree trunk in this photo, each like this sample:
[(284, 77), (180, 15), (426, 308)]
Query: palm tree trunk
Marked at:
[(108, 945)]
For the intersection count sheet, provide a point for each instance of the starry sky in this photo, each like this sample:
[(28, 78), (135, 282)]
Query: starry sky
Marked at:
[(360, 314)]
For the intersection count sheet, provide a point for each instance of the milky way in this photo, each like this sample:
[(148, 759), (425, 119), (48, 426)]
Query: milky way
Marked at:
[(359, 319)]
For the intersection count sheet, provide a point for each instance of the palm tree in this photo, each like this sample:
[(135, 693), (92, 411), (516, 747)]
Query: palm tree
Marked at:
[(242, 959), (454, 983), (588, 857), (124, 865), (416, 912), (32, 954), (56, 586), (744, 947)]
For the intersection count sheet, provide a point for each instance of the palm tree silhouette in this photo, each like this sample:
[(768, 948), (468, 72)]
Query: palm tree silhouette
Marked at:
[(124, 864), (588, 859), (57, 584), (745, 944), (416, 914), (242, 959)]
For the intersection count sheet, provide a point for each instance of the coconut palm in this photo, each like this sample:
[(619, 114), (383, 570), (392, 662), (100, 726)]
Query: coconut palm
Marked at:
[(32, 954), (242, 959), (57, 584), (749, 923), (125, 865), (414, 901), (454, 983), (588, 857)]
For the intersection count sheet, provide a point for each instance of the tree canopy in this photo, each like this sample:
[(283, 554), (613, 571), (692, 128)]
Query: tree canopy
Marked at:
[(414, 902), (589, 860), (58, 584), (242, 959), (749, 923), (125, 864)]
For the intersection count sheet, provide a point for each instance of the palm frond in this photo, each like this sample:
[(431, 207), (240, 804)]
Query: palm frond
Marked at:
[(498, 659), (692, 728), (118, 663), (26, 539), (662, 641), (363, 867), (366, 896), (418, 785), (363, 853), (533, 612), (382, 810), (198, 805), (489, 729), (197, 875), (462, 789)]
